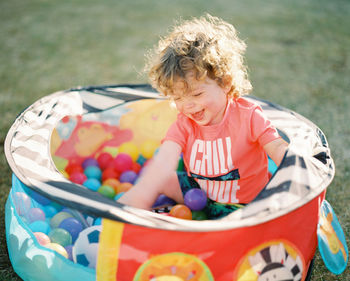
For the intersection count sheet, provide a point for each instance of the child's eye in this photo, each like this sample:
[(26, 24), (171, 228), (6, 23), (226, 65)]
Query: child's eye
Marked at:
[(198, 94)]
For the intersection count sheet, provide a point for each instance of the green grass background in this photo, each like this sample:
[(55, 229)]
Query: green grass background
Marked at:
[(298, 56)]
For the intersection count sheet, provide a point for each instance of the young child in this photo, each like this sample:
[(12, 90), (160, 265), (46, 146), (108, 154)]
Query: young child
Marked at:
[(224, 137)]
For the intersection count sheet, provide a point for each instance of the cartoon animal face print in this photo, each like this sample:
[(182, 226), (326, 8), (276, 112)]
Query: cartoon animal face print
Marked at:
[(274, 263)]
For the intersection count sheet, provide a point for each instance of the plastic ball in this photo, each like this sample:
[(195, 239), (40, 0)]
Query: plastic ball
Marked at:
[(60, 236), (128, 176), (57, 206), (73, 226), (97, 221), (69, 249), (118, 196), (104, 159), (110, 173), (40, 226), (195, 199), (78, 177), (58, 249), (92, 184), (42, 238), (36, 214), (49, 211), (85, 248), (181, 211), (89, 162), (148, 148), (40, 198), (163, 200), (124, 187), (136, 167), (199, 215), (58, 218), (22, 202), (107, 191), (113, 183), (131, 149), (141, 160), (122, 162), (93, 172), (74, 168)]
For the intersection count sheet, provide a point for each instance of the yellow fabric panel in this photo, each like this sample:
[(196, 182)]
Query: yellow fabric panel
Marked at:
[(108, 252)]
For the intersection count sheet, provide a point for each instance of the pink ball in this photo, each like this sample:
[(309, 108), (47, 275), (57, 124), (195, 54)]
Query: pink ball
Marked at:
[(42, 238), (78, 177), (122, 162)]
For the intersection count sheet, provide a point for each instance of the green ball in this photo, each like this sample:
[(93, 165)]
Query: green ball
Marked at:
[(199, 215), (107, 191), (58, 218), (181, 166), (60, 236)]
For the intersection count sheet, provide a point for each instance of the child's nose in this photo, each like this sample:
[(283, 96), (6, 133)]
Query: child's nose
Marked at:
[(188, 103)]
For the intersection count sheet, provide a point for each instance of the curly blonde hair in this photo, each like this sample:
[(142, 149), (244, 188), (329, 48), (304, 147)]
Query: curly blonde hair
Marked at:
[(207, 46)]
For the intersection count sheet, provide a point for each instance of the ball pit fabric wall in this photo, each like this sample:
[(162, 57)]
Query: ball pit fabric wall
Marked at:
[(140, 245)]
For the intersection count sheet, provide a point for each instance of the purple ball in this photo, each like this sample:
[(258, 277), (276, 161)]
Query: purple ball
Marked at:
[(89, 162), (36, 214), (128, 176), (69, 250), (195, 199), (73, 226), (163, 200)]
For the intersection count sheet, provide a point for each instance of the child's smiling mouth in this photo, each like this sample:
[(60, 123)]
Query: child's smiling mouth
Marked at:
[(198, 116)]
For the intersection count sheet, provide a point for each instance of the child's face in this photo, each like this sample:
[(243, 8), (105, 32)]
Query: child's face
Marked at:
[(203, 101)]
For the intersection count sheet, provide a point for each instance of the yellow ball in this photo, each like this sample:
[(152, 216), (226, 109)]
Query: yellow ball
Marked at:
[(131, 149), (57, 248), (148, 148)]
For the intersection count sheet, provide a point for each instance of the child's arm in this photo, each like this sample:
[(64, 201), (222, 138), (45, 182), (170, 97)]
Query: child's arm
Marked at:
[(276, 150), (159, 177)]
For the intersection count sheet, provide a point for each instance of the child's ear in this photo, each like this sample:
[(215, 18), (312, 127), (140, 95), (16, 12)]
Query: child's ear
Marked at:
[(227, 83)]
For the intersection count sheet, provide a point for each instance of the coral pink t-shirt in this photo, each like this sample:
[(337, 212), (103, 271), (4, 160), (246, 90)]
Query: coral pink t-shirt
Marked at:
[(227, 159)]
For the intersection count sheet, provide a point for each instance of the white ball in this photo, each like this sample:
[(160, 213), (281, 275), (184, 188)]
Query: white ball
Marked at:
[(85, 248)]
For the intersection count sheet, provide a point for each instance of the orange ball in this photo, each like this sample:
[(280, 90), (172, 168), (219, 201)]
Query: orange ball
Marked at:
[(112, 182), (124, 187), (181, 211)]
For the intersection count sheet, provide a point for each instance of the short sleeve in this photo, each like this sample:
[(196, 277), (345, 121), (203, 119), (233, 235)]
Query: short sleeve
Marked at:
[(177, 132), (262, 130)]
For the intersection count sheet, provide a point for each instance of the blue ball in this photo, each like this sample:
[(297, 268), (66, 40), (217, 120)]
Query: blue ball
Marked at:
[(73, 226), (93, 172), (118, 196), (40, 198), (92, 184), (40, 226), (50, 211), (98, 221)]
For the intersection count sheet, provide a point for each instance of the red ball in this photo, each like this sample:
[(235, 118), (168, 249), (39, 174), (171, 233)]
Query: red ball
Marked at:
[(110, 173), (74, 168), (136, 167), (122, 162), (104, 159), (78, 178)]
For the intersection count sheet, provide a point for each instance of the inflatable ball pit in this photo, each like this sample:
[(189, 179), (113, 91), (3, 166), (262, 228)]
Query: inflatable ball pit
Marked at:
[(276, 235)]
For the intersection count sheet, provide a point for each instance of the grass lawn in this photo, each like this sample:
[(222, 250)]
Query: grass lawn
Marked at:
[(298, 56)]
